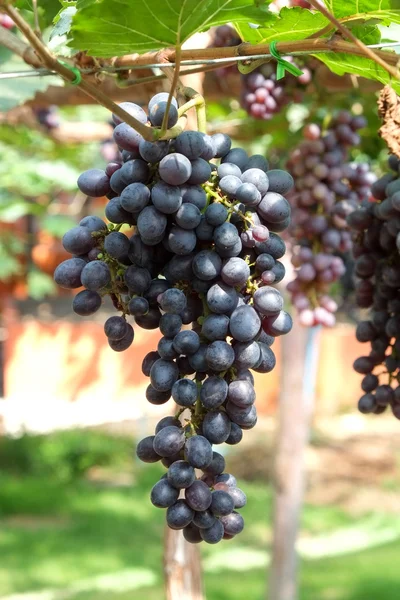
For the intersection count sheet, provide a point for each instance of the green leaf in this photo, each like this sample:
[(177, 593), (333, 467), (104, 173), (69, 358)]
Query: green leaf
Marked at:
[(57, 225), (368, 33), (40, 285), (387, 11), (292, 24), (14, 92), (117, 27), (346, 63), (47, 9), (63, 22)]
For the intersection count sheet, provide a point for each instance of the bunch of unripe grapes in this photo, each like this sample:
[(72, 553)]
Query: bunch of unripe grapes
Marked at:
[(204, 254), (376, 245), (327, 189)]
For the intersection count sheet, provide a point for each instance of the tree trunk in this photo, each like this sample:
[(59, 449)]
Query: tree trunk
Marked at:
[(182, 568), (295, 410)]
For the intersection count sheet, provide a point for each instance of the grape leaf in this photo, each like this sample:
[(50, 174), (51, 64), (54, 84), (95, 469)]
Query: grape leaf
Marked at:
[(341, 64), (63, 22), (47, 9), (292, 24), (369, 33), (117, 27), (14, 92), (387, 11)]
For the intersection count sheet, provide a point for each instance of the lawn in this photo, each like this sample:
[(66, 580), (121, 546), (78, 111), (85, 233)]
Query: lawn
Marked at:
[(89, 541)]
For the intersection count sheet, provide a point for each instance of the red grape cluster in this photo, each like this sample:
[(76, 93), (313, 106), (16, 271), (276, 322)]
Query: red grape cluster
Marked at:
[(263, 96), (376, 245), (327, 189), (225, 36)]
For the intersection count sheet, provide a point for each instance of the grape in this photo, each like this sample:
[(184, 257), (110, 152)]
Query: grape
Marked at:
[(198, 451), (198, 496), (116, 244), (166, 349), (181, 241), (175, 168), (235, 436), (229, 184), (145, 451), (280, 181), (221, 503), (188, 216), (155, 397), (267, 359), (204, 519), (216, 427), (126, 137), (150, 320), (166, 421), (173, 301), (94, 182), (124, 342), (95, 275), (93, 223), (115, 328), (216, 214), (137, 279), (221, 298), (153, 152), (194, 194), (86, 303), (134, 110), (207, 265), (186, 342), (184, 392), (170, 324), (241, 393), (215, 327), (151, 225), (138, 306), (268, 301), (78, 240), (169, 440), (181, 475), (163, 375), (213, 534), (279, 324), (163, 494), (179, 515), (247, 354), (190, 143), (191, 533), (220, 356), (245, 323), (213, 392), (236, 156), (166, 198), (135, 197), (68, 273), (158, 107), (235, 271)]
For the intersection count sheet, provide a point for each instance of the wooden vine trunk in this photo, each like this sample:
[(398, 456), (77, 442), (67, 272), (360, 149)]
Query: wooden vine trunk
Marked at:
[(295, 410), (182, 568)]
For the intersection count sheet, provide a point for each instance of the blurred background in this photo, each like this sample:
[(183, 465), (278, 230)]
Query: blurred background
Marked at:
[(75, 517)]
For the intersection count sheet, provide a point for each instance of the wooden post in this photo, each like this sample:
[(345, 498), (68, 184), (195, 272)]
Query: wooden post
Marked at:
[(182, 568), (295, 410)]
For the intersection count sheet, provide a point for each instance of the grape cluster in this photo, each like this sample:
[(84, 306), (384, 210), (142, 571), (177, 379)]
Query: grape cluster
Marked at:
[(48, 117), (204, 253), (263, 96), (376, 245), (327, 189), (225, 36)]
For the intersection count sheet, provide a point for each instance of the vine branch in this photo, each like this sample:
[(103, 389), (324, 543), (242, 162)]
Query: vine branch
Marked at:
[(368, 52)]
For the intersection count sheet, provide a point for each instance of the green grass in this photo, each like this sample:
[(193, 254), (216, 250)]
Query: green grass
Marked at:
[(67, 535)]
